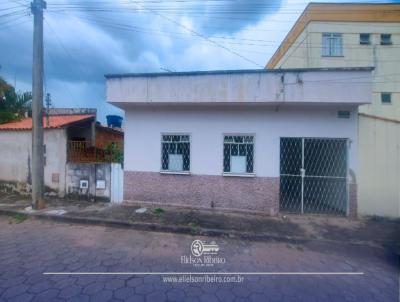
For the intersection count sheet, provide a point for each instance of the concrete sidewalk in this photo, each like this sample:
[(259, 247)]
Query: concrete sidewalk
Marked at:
[(367, 231)]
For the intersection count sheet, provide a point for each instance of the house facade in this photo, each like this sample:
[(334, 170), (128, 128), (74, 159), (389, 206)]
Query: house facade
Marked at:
[(74, 156), (247, 140), (351, 35)]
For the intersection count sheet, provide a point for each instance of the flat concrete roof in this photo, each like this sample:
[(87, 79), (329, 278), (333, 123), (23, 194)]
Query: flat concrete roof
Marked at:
[(237, 71)]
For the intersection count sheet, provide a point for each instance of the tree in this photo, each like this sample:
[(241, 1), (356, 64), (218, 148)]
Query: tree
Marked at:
[(13, 105)]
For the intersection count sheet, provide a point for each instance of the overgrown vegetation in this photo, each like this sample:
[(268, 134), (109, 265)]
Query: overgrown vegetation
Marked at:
[(194, 228), (114, 154), (158, 211), (17, 218), (13, 105)]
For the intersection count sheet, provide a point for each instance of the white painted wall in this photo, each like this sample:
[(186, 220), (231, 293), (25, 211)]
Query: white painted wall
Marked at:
[(379, 185), (143, 128), (262, 86), (16, 152)]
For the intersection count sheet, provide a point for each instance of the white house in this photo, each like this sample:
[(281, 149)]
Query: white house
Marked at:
[(75, 164), (250, 140)]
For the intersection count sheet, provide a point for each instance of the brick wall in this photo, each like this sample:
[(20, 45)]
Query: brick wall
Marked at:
[(105, 136), (259, 194)]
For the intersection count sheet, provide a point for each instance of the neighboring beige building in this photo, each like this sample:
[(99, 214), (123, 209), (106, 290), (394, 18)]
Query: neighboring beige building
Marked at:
[(358, 35)]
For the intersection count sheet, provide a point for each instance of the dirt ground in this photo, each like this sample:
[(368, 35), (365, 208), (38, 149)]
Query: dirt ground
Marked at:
[(366, 230)]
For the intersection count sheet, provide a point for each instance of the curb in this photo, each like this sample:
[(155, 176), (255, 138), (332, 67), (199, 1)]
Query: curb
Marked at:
[(154, 227)]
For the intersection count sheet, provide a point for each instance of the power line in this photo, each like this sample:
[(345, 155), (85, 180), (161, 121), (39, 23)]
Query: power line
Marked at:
[(226, 40), (14, 13), (52, 61), (106, 21), (20, 3), (63, 46), (203, 37), (12, 23)]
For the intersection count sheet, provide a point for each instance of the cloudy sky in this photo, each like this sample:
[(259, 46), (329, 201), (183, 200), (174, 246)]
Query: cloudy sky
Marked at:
[(85, 39)]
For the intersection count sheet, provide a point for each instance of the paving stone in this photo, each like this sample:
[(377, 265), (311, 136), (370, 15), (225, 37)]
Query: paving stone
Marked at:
[(63, 282), (79, 298), (102, 296), (93, 288), (192, 291), (176, 295), (144, 289), (22, 298), (114, 284), (257, 298), (40, 287), (14, 291), (102, 249), (225, 295), (9, 282), (124, 293), (135, 298), (70, 291), (156, 296), (135, 281), (208, 298), (85, 280), (241, 292), (47, 295)]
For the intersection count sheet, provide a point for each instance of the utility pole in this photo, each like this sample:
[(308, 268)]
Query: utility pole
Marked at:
[(37, 7)]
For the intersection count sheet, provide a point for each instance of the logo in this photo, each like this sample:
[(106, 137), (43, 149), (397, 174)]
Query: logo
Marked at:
[(198, 248), (203, 254)]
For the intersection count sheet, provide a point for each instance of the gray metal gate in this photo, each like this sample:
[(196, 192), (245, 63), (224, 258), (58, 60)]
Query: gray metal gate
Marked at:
[(313, 175)]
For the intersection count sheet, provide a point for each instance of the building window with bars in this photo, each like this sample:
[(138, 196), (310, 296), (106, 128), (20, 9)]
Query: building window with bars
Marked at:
[(175, 153), (332, 45), (238, 154), (365, 39), (386, 39)]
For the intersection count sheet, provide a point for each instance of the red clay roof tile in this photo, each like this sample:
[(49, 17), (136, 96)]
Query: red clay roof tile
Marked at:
[(55, 121)]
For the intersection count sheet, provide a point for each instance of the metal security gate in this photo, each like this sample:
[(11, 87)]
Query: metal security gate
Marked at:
[(313, 175)]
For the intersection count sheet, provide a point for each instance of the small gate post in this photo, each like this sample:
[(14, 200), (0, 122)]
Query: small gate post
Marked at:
[(302, 174), (117, 178)]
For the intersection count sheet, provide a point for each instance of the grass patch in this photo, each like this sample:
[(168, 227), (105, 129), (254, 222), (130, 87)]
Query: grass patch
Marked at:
[(194, 228), (158, 211), (18, 218)]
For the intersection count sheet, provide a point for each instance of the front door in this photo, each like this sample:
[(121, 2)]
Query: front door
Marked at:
[(313, 175)]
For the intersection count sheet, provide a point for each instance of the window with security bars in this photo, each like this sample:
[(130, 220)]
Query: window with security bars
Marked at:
[(332, 45), (175, 153), (365, 39), (239, 154), (386, 39)]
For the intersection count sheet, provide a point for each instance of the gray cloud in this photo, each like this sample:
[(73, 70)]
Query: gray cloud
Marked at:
[(81, 45), (231, 16)]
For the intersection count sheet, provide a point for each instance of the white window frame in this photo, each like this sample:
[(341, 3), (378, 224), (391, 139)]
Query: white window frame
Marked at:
[(190, 153), (328, 50), (251, 174)]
